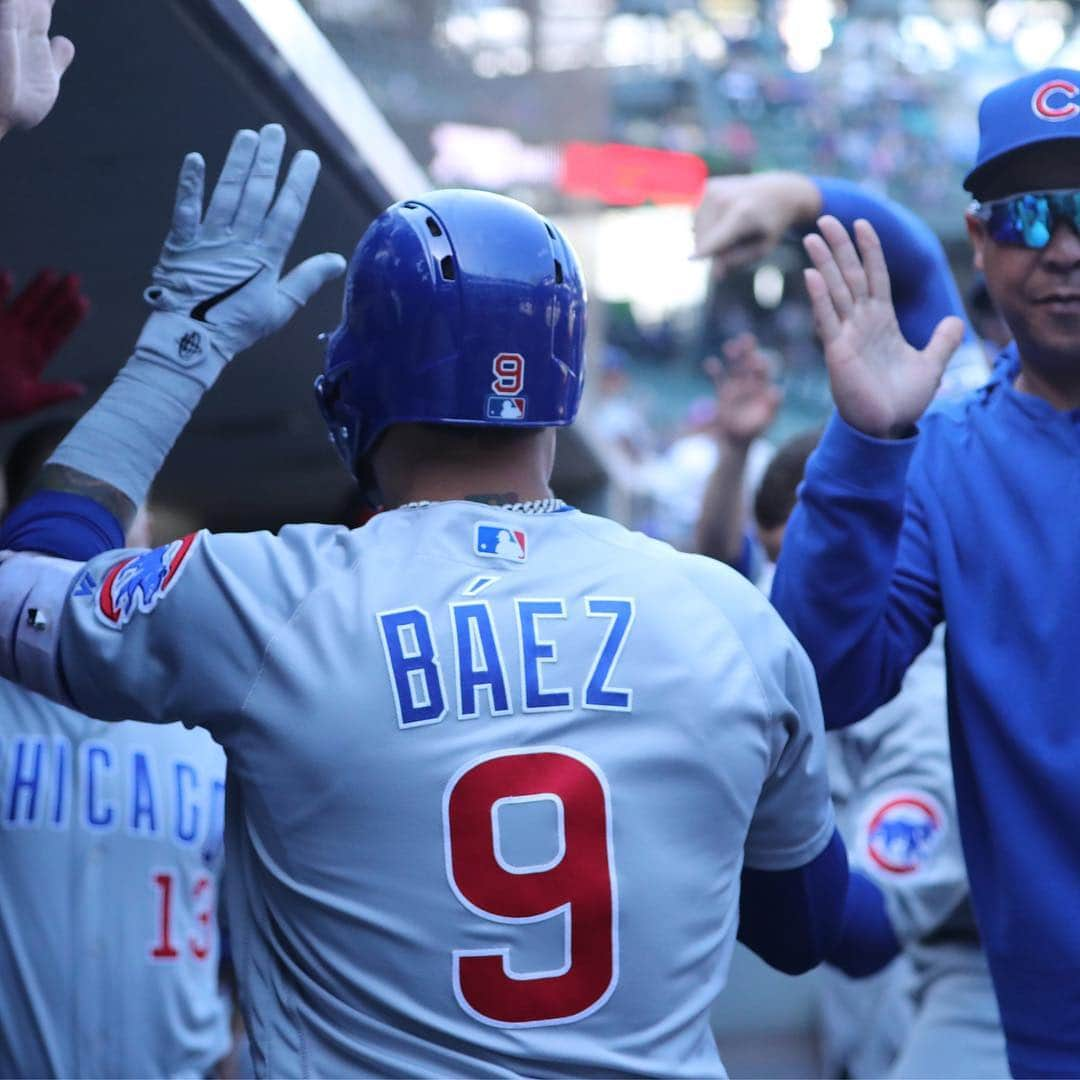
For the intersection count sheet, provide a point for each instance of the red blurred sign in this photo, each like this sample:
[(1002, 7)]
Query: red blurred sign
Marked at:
[(622, 175)]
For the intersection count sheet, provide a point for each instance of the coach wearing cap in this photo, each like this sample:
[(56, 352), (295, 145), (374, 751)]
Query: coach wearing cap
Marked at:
[(972, 517)]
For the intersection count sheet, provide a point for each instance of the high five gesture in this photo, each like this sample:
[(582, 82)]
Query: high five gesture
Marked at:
[(880, 383), (31, 63)]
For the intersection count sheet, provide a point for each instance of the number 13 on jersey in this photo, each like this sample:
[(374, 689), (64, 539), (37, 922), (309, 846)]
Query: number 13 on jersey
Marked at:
[(577, 885)]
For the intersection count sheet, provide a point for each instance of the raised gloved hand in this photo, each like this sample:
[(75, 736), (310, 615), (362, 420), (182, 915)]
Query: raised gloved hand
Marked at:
[(30, 63), (217, 288), (32, 327)]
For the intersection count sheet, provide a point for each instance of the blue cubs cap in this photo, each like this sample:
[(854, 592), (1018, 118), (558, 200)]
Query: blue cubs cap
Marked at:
[(1040, 107)]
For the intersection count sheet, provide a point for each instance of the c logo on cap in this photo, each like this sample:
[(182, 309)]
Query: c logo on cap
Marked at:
[(1041, 105)]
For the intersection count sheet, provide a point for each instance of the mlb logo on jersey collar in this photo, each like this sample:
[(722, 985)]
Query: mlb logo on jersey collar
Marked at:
[(496, 541)]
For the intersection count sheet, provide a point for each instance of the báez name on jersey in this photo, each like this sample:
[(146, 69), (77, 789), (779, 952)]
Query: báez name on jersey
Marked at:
[(139, 582), (475, 664)]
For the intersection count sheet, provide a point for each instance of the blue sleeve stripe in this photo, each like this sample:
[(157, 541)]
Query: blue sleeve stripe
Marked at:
[(63, 524)]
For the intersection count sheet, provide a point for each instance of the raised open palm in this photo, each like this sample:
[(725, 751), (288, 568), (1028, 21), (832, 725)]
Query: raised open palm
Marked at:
[(880, 383), (30, 63), (747, 399)]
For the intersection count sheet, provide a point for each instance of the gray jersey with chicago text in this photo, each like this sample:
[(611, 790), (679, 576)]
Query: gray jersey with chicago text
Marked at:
[(492, 779), (111, 849)]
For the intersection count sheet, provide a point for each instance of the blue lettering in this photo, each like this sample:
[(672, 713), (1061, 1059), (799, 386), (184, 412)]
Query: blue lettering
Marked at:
[(144, 817), (212, 844), (98, 816), (415, 675), (23, 781), (479, 661), (536, 651), (598, 695), (61, 804), (187, 779)]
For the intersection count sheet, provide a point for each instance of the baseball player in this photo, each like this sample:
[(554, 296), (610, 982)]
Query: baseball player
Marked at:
[(110, 834), (504, 777), (111, 846), (890, 775), (892, 789), (964, 520), (111, 851)]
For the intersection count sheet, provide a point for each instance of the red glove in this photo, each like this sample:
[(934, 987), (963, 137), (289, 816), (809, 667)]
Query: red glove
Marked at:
[(32, 327)]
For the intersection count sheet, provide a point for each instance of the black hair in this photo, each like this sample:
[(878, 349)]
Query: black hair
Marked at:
[(775, 498)]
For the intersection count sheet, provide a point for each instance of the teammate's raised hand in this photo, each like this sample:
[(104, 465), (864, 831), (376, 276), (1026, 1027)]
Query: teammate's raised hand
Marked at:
[(223, 268), (32, 327), (30, 63), (881, 385), (747, 399), (742, 218)]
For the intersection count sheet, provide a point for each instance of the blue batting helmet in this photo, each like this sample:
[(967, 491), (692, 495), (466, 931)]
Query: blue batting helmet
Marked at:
[(461, 307)]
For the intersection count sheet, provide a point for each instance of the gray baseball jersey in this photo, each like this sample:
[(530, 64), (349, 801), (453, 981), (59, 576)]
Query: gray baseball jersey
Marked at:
[(492, 776), (893, 790), (111, 847)]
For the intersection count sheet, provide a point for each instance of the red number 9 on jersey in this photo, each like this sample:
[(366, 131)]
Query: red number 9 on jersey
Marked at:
[(578, 886)]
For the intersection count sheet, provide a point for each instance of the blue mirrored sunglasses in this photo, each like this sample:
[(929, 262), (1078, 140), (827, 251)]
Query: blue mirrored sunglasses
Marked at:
[(1029, 220)]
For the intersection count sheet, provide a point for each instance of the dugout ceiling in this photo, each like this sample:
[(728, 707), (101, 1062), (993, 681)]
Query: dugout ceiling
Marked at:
[(91, 190)]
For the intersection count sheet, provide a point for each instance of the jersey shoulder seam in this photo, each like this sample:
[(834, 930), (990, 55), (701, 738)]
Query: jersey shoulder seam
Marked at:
[(271, 641)]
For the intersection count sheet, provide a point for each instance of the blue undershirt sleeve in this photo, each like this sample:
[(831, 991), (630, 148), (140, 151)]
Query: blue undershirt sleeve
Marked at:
[(924, 291), (795, 919), (63, 524), (857, 580), (867, 942)]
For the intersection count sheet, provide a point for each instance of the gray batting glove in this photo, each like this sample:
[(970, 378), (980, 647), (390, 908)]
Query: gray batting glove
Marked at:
[(217, 288)]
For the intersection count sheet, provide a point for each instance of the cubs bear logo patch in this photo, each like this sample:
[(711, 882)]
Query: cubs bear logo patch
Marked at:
[(138, 583), (903, 832)]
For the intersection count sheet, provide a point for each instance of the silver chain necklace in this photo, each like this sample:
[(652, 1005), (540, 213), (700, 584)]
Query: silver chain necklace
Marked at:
[(532, 506)]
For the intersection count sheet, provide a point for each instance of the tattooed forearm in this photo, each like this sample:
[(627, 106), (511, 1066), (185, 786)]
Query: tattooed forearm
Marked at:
[(62, 478)]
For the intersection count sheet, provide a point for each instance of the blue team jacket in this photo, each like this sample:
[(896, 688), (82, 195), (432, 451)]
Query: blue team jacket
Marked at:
[(974, 520)]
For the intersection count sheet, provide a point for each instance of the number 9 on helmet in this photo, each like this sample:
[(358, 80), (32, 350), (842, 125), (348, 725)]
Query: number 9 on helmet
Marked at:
[(461, 307)]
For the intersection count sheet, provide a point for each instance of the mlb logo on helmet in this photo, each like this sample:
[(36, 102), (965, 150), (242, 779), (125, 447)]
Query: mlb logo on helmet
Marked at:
[(904, 831), (138, 583), (506, 408), (499, 542)]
